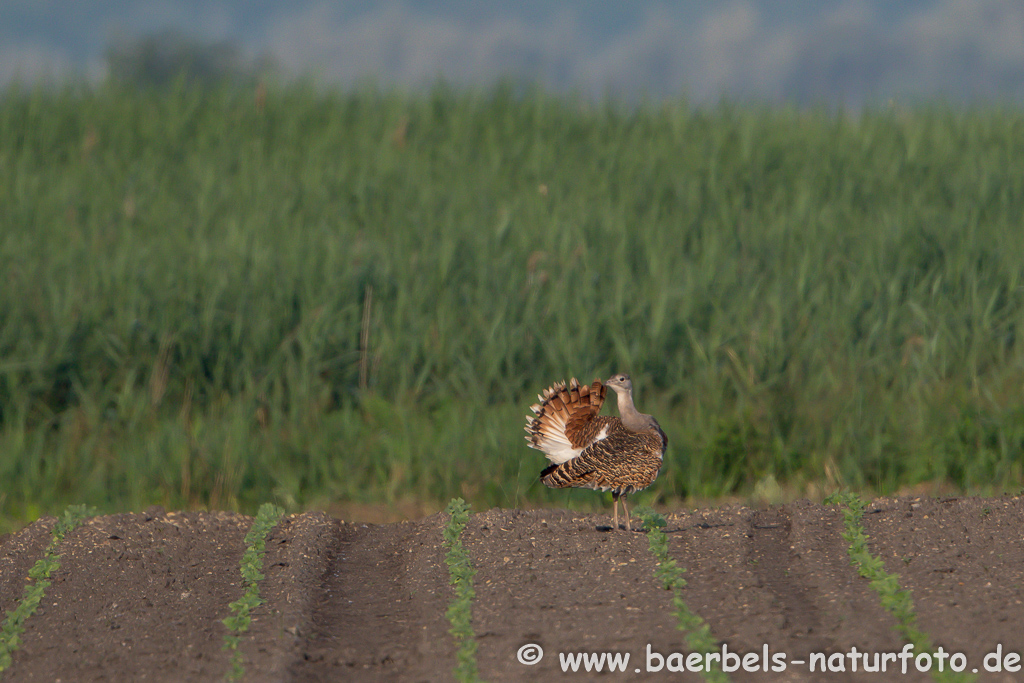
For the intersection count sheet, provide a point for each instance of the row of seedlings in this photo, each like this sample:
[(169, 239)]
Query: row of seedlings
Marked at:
[(895, 599), (39, 580)]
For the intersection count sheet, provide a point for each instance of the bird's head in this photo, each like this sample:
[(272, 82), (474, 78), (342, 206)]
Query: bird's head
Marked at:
[(621, 383)]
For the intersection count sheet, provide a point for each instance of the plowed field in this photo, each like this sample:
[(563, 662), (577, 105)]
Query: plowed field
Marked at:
[(141, 596)]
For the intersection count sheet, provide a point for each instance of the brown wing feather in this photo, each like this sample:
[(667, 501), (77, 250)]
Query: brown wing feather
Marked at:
[(623, 462)]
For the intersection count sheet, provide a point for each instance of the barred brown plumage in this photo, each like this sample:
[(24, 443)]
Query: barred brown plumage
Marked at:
[(618, 454)]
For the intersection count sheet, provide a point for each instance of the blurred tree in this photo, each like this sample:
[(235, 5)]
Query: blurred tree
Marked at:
[(157, 59)]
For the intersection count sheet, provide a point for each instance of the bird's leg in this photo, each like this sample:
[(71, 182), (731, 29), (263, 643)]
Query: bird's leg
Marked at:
[(615, 510), (626, 510)]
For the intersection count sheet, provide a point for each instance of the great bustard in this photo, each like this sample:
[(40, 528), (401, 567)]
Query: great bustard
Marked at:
[(587, 450)]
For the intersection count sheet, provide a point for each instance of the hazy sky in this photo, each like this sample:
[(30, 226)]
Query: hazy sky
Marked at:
[(802, 51)]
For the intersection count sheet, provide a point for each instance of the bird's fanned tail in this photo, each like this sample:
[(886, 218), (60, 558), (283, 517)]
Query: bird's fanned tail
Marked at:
[(565, 421)]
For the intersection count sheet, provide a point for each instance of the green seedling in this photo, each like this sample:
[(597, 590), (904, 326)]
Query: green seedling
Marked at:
[(461, 572), (670, 574), (251, 568), (39, 581), (896, 600)]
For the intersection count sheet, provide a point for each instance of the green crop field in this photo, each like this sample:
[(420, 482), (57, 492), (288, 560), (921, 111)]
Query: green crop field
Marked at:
[(310, 297)]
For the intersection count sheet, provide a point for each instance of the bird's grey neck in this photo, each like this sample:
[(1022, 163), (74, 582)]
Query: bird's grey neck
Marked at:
[(632, 419)]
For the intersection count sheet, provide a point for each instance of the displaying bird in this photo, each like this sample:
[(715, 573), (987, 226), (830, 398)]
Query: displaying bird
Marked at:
[(588, 450)]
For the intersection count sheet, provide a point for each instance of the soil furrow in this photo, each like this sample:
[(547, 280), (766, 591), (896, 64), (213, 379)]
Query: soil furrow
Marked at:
[(294, 567), (137, 597), (963, 561), (723, 586), (849, 612), (551, 578), (141, 596), (379, 615), (778, 570)]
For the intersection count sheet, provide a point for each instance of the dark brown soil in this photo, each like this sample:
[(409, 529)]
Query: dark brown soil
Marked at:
[(141, 596)]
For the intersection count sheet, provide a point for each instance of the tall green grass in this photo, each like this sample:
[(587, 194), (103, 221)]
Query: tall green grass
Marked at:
[(219, 298)]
